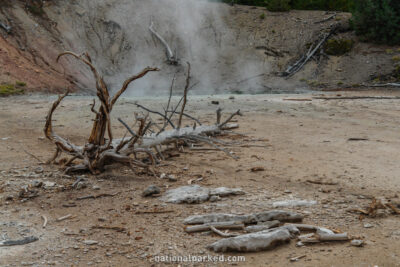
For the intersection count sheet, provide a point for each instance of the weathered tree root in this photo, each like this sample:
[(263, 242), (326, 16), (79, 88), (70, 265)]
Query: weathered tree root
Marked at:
[(102, 149)]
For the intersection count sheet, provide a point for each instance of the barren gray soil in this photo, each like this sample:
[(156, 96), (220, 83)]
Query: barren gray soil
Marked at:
[(297, 142)]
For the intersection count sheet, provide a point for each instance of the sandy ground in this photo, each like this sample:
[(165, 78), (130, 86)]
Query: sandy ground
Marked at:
[(302, 140)]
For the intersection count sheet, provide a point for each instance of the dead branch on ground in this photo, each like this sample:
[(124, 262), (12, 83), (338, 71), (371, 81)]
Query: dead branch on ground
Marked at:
[(144, 146)]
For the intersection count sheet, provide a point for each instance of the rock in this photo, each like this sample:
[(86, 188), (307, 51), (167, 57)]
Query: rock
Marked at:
[(81, 185), (214, 198), (163, 176), (293, 203), (368, 225), (187, 194), (172, 178), (151, 190), (90, 242), (357, 243), (196, 194), (39, 169), (231, 97), (252, 242), (96, 187), (48, 185), (299, 244), (9, 198), (37, 183), (214, 102)]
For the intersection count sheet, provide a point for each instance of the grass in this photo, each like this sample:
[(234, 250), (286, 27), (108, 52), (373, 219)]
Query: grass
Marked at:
[(11, 89)]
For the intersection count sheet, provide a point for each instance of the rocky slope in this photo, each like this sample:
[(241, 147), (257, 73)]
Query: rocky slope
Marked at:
[(231, 48)]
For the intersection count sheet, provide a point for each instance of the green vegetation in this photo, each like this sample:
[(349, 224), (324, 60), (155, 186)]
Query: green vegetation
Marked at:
[(262, 16), (338, 47), (35, 10), (373, 20), (286, 5), (20, 84), (377, 20), (278, 5), (10, 89)]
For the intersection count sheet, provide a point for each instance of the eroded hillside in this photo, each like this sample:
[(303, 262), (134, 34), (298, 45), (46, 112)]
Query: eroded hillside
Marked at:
[(231, 48)]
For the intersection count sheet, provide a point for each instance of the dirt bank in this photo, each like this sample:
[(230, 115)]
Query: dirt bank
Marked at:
[(237, 49)]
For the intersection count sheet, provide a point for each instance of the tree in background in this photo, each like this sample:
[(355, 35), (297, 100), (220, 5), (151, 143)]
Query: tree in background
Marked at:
[(377, 20)]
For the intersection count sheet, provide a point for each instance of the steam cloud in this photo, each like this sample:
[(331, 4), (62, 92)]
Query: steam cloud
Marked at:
[(116, 32)]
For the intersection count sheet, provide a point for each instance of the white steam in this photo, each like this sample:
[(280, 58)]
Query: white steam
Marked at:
[(116, 32)]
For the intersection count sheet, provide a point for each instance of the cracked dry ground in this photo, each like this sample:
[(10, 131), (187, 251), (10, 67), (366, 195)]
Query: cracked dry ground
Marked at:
[(302, 140)]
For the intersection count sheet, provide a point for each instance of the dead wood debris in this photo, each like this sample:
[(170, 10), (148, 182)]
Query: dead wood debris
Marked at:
[(153, 211), (143, 149), (44, 221), (357, 97), (261, 237), (374, 207), (6, 27), (18, 242), (322, 182), (312, 51), (64, 217), (115, 228), (97, 196), (171, 58)]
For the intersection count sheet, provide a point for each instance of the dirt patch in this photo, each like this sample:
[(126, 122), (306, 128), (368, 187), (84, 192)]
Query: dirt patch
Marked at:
[(299, 142)]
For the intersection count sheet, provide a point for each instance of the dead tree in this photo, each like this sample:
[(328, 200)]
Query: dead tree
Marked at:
[(171, 58), (102, 149), (312, 51)]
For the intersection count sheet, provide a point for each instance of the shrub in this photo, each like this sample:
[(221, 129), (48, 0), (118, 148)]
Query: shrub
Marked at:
[(278, 5), (377, 20), (338, 47), (9, 89), (20, 84)]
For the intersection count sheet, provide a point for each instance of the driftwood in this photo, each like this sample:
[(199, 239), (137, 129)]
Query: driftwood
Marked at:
[(383, 85), (327, 19), (374, 206), (262, 227), (171, 58), (18, 242), (218, 225), (223, 234), (137, 151), (44, 221), (6, 27), (314, 48), (282, 216), (267, 239), (357, 97), (252, 242)]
